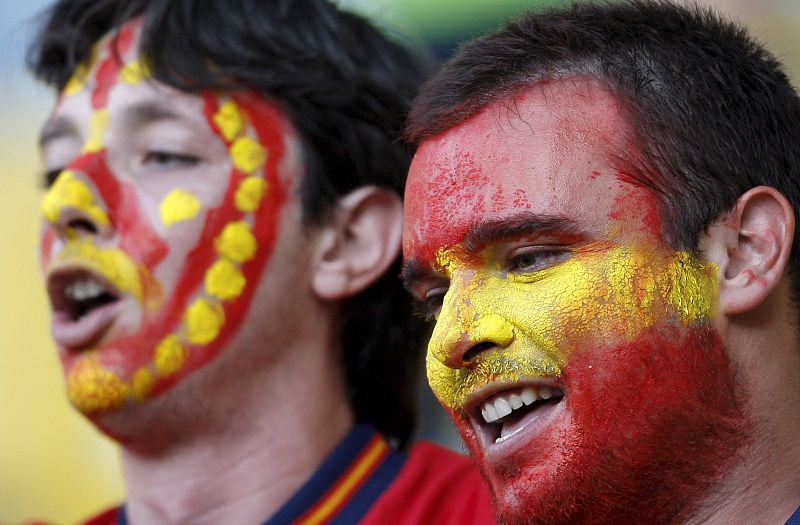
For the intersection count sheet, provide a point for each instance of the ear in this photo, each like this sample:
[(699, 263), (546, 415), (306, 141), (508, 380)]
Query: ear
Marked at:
[(358, 244), (750, 246)]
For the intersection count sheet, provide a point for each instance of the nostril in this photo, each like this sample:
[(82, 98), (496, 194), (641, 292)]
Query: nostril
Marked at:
[(476, 350), (82, 224)]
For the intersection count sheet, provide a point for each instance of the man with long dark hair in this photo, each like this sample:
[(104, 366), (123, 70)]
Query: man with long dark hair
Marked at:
[(220, 248)]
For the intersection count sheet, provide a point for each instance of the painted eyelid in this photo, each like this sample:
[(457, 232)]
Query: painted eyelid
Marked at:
[(536, 272)]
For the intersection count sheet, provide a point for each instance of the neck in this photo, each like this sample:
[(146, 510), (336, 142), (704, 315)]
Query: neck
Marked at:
[(243, 451), (764, 487)]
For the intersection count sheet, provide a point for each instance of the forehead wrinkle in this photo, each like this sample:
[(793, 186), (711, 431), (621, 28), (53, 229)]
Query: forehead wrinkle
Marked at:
[(485, 232)]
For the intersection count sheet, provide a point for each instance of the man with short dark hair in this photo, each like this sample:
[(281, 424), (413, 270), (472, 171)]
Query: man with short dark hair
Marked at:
[(601, 218), (220, 247)]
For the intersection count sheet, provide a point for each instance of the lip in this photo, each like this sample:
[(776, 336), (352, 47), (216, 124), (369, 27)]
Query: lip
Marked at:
[(82, 333), (531, 427)]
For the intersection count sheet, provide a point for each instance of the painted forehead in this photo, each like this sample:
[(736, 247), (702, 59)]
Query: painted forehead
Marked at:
[(540, 151)]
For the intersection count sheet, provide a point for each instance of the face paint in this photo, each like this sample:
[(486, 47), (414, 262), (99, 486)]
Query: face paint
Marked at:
[(573, 348), (158, 253)]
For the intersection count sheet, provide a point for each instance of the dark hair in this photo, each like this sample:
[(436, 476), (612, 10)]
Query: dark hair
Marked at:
[(712, 113), (346, 89)]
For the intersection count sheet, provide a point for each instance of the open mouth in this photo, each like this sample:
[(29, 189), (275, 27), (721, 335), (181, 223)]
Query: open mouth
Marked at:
[(505, 414), (83, 307)]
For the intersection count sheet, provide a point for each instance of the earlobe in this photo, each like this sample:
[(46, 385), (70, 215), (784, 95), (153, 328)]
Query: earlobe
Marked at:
[(358, 244), (750, 246)]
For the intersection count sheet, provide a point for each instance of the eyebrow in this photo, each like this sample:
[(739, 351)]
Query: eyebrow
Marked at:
[(150, 111), (484, 233), (57, 128)]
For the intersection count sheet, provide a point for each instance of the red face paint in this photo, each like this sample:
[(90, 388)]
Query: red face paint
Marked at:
[(145, 345), (611, 447)]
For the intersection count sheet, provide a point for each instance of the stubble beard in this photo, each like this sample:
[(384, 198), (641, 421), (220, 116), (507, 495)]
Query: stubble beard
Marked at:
[(650, 438)]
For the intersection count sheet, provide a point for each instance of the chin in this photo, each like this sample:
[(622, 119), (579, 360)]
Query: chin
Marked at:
[(643, 441)]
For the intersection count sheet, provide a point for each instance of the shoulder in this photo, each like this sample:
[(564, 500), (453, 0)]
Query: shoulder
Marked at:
[(435, 485)]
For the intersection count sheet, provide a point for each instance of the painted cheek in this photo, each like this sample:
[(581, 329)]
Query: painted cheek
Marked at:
[(537, 322)]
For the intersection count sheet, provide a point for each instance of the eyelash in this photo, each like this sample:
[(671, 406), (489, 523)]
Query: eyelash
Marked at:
[(429, 307), (543, 257), (169, 159)]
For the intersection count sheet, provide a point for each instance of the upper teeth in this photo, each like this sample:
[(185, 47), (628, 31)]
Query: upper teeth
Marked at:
[(84, 289), (502, 405)]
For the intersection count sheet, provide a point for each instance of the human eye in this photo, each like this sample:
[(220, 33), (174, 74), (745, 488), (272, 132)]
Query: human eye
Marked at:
[(535, 258), (430, 304), (162, 159)]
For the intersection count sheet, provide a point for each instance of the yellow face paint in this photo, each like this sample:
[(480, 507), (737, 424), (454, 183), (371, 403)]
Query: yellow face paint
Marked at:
[(169, 356), (248, 155), (236, 242), (249, 194), (229, 120), (91, 387), (134, 72), (203, 321), (538, 320), (142, 383), (113, 264), (70, 192), (98, 125), (224, 280), (179, 205)]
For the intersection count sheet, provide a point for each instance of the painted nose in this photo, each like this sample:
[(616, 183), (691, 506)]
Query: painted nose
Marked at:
[(72, 207), (465, 328)]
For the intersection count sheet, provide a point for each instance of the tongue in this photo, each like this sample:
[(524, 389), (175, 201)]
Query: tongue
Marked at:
[(521, 418)]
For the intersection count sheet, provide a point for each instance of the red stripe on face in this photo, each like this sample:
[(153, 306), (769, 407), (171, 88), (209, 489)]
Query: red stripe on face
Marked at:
[(107, 72)]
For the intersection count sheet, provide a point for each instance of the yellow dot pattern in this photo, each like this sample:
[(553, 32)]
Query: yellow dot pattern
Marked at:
[(70, 192), (178, 206), (170, 356), (224, 280), (91, 387), (230, 120), (249, 193), (247, 155), (203, 321), (236, 242)]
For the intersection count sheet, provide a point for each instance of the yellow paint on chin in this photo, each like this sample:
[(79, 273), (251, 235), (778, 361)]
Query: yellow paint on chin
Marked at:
[(98, 125), (249, 194), (247, 155), (536, 321), (229, 120), (178, 206), (224, 280), (203, 320), (92, 388), (169, 356), (236, 242), (70, 192), (114, 265)]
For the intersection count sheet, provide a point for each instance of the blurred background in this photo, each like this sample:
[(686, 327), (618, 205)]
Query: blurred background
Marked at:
[(53, 465)]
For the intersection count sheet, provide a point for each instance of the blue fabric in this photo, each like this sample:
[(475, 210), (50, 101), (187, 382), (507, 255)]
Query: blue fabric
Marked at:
[(329, 472), (795, 518)]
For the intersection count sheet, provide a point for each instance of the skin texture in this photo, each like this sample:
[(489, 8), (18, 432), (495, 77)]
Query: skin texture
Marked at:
[(173, 202), (544, 265)]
